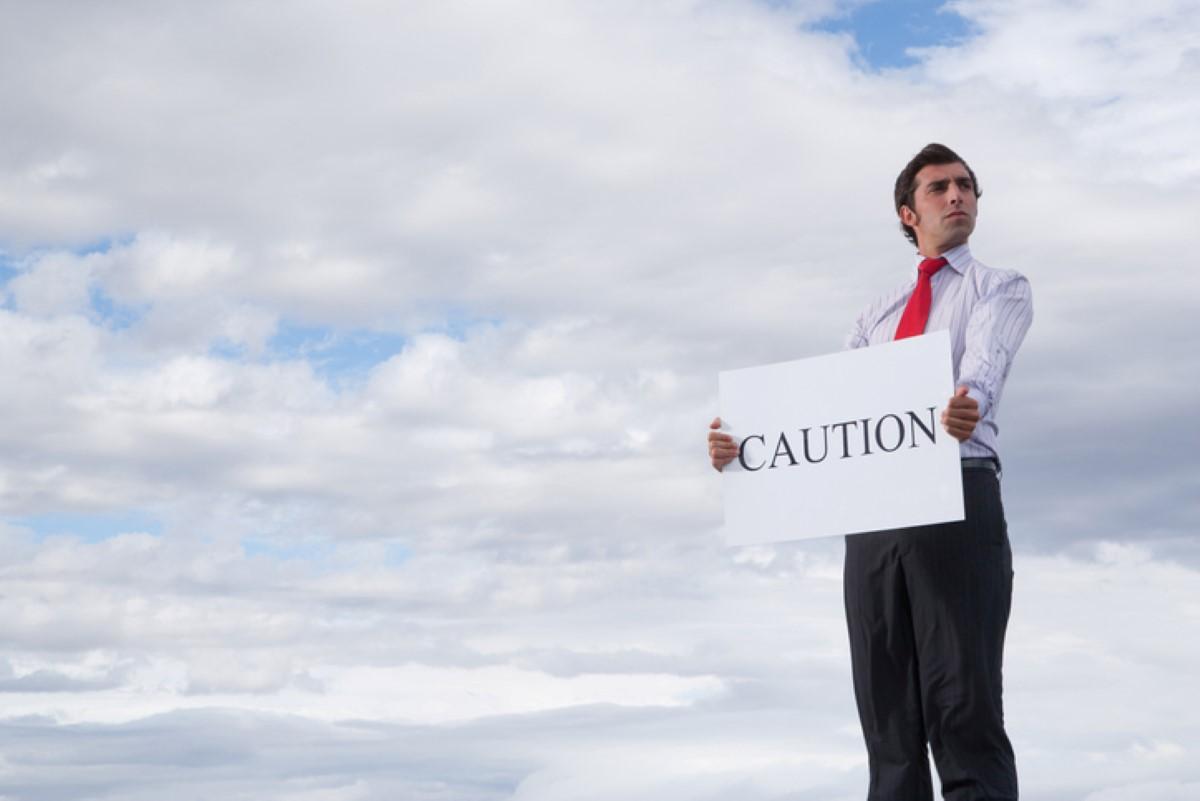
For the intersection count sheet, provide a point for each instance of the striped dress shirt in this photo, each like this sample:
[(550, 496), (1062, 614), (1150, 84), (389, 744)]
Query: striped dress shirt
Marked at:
[(987, 312)]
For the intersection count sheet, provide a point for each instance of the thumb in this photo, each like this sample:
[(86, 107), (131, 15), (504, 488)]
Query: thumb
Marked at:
[(961, 392), (716, 423)]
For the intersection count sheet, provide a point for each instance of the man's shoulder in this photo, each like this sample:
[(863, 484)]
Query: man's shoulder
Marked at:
[(986, 277)]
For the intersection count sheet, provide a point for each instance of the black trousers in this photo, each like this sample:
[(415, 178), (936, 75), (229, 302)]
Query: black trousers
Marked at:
[(927, 608)]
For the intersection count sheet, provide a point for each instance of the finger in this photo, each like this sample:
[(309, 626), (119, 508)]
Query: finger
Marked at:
[(961, 392), (962, 403), (962, 406), (960, 432), (960, 416), (955, 420), (723, 459), (964, 415), (716, 423), (715, 436)]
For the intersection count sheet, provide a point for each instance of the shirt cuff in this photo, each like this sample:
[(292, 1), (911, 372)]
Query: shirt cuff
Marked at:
[(979, 397)]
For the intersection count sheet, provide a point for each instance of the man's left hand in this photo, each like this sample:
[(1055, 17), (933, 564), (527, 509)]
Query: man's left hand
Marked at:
[(961, 415)]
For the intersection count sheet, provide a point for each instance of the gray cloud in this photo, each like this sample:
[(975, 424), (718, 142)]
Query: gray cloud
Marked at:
[(485, 563)]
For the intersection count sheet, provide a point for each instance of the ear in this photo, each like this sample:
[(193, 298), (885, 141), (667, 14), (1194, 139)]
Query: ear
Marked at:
[(909, 217)]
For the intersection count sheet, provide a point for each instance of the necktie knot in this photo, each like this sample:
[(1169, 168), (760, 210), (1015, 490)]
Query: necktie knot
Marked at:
[(930, 266)]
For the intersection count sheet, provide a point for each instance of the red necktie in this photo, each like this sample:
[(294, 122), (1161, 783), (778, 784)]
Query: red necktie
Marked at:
[(916, 313)]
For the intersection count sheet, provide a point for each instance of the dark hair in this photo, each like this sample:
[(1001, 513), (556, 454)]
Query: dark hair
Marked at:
[(906, 181)]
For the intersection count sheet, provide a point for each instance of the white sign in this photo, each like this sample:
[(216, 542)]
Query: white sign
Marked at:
[(841, 444)]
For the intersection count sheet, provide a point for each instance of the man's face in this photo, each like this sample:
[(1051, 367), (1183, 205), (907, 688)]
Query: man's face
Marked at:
[(945, 208)]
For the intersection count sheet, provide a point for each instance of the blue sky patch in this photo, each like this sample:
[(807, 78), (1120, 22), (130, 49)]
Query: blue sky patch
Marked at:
[(110, 313), (396, 555), (458, 323), (305, 549), (223, 348), (7, 272), (8, 268), (94, 527), (102, 245), (885, 29), (332, 353), (320, 553)]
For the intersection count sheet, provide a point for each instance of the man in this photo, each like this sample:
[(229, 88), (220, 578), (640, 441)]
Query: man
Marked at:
[(927, 607)]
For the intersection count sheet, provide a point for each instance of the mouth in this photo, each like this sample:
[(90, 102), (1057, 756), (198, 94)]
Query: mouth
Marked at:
[(954, 214)]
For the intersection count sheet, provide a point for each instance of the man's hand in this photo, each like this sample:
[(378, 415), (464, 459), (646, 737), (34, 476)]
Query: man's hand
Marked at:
[(721, 447), (960, 416)]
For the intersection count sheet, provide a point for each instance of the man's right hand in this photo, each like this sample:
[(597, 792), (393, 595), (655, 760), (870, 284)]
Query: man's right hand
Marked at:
[(721, 447)]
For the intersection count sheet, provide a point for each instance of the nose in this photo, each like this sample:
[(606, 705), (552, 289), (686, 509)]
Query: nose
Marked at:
[(954, 195)]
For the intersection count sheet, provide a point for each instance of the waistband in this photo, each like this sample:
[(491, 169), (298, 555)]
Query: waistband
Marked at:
[(985, 463)]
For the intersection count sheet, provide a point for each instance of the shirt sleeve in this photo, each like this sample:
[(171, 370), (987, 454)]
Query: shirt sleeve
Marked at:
[(995, 330), (857, 338)]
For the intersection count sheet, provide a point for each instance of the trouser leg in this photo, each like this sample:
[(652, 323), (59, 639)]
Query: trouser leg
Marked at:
[(886, 673), (959, 581)]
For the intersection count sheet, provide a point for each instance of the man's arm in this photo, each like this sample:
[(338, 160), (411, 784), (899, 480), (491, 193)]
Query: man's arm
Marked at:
[(994, 333)]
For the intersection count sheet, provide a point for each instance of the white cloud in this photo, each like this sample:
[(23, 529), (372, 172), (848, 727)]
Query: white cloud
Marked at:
[(563, 219), (56, 284), (1164, 791), (731, 680)]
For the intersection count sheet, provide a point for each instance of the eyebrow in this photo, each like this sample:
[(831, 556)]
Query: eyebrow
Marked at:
[(944, 182)]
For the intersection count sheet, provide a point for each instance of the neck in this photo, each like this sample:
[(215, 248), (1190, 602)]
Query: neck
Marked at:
[(933, 251)]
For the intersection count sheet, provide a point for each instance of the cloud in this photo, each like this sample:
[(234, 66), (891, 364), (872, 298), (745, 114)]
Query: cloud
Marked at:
[(52, 681), (1164, 790), (1115, 74), (708, 671), (478, 556)]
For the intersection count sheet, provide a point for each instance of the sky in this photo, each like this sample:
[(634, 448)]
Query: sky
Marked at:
[(357, 357)]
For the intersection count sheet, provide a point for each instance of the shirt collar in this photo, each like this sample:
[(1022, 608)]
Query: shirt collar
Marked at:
[(957, 258)]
